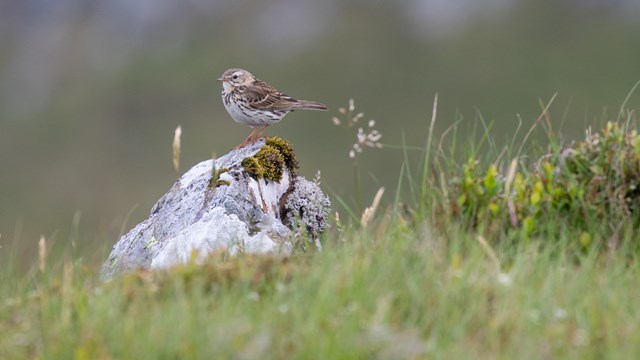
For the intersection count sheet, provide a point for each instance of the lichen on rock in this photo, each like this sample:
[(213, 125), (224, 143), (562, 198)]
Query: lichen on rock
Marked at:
[(308, 205)]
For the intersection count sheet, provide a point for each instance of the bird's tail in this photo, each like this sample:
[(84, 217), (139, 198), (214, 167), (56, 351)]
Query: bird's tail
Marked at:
[(311, 105)]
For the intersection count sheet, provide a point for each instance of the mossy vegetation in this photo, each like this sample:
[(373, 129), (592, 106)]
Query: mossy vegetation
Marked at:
[(215, 176), (270, 161), (285, 148), (221, 182)]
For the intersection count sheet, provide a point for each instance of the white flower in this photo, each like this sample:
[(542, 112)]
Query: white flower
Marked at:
[(370, 138), (361, 136), (373, 137)]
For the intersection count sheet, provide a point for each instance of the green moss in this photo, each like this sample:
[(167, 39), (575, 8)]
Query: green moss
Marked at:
[(270, 161), (252, 167), (267, 164), (222, 182), (285, 148)]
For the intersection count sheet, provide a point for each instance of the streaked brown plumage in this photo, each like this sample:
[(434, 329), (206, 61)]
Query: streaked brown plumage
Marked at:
[(251, 101)]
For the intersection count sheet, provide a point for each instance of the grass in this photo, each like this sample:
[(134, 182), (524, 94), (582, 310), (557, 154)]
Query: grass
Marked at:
[(394, 294), (420, 280)]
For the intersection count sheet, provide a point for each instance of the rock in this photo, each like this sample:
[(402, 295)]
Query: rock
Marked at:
[(253, 202)]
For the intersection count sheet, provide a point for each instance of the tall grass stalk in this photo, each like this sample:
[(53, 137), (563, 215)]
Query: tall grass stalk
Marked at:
[(427, 158)]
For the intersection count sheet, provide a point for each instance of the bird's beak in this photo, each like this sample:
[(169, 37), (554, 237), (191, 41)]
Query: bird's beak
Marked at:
[(220, 79)]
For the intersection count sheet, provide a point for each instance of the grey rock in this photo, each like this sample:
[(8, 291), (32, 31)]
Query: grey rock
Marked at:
[(239, 214)]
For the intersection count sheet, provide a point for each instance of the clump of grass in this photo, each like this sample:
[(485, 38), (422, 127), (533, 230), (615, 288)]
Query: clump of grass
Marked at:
[(607, 165), (595, 180), (394, 293)]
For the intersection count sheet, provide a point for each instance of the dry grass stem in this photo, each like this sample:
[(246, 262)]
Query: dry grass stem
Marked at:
[(176, 148), (488, 250), (42, 254), (369, 212)]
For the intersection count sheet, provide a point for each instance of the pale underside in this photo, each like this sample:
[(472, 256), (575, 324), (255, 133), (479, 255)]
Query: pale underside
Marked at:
[(257, 118)]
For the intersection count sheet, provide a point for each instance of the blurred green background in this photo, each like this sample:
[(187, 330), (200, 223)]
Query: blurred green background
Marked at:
[(91, 91)]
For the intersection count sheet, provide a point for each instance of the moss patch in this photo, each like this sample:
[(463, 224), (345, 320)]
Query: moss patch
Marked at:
[(267, 164), (222, 182), (285, 148), (270, 161)]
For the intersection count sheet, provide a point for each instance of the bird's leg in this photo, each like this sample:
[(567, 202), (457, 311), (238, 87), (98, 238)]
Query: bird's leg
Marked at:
[(247, 140), (259, 134)]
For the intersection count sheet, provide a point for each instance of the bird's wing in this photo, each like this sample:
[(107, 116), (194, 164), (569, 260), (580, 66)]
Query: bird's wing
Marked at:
[(263, 96)]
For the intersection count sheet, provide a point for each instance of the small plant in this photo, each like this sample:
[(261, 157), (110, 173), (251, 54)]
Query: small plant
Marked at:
[(369, 138), (215, 180), (607, 164), (595, 179), (364, 138)]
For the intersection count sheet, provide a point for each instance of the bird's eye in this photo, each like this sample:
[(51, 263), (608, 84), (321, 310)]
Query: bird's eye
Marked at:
[(235, 77)]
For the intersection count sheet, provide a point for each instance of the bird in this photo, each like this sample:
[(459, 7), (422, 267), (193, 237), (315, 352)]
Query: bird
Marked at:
[(251, 101)]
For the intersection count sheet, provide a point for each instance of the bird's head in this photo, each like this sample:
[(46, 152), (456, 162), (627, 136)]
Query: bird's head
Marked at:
[(233, 78)]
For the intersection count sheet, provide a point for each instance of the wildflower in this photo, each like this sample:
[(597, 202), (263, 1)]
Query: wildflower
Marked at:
[(369, 138)]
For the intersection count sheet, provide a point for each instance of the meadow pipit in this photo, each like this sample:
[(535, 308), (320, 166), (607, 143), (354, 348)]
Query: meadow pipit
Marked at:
[(251, 101)]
